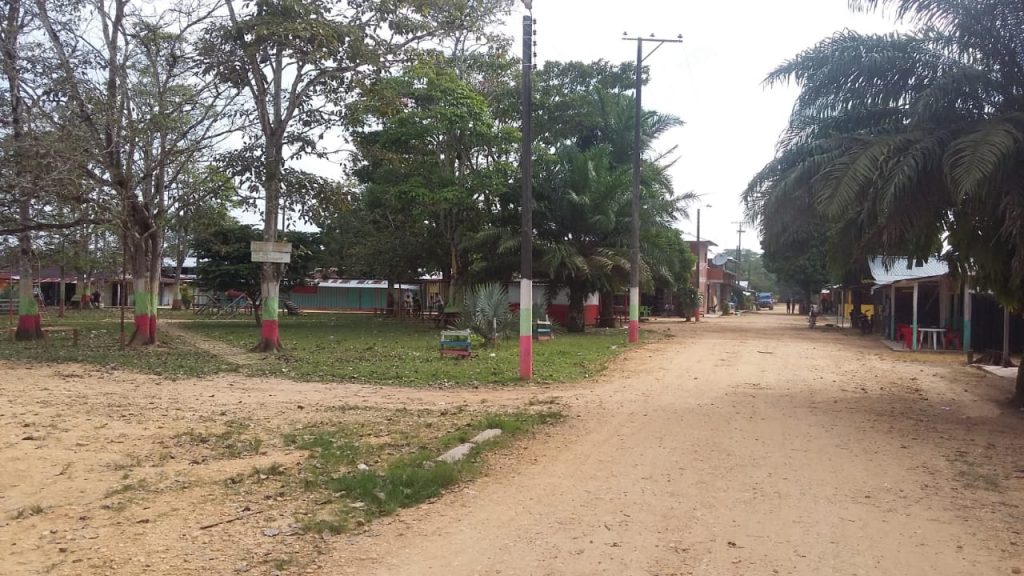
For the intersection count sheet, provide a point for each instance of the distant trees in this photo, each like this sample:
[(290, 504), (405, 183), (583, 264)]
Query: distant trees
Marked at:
[(142, 130)]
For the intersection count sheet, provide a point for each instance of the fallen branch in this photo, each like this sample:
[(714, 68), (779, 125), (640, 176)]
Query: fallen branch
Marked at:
[(230, 520)]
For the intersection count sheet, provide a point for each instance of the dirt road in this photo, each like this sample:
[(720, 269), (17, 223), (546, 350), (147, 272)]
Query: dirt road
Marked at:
[(739, 446), (745, 446)]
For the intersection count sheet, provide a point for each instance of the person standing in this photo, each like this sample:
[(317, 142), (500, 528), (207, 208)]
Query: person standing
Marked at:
[(789, 305)]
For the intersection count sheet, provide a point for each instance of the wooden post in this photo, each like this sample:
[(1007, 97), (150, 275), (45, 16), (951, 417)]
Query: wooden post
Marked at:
[(943, 304), (917, 286), (968, 302), (892, 312), (1006, 337)]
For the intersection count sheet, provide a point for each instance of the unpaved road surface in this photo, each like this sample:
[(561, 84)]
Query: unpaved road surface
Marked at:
[(740, 446), (745, 446)]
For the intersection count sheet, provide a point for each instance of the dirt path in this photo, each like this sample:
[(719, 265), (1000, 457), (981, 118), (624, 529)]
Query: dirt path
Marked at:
[(741, 446), (749, 446), (209, 345)]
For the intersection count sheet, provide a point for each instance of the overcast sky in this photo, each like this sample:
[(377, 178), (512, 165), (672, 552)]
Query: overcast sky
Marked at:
[(712, 81)]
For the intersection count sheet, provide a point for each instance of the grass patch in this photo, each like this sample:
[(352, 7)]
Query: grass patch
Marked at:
[(282, 563), (99, 344), (234, 441), (29, 511), (127, 488), (973, 476), (407, 481), (406, 472), (330, 450), (361, 348)]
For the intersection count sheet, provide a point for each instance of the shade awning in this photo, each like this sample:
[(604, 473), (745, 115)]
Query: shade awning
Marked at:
[(905, 270)]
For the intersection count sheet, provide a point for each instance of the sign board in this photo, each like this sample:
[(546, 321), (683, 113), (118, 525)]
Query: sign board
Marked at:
[(275, 252)]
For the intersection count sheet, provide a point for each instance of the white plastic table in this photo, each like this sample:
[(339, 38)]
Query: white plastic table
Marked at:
[(934, 332)]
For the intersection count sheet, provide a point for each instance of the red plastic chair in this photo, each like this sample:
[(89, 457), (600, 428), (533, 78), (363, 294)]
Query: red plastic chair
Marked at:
[(952, 337), (905, 334)]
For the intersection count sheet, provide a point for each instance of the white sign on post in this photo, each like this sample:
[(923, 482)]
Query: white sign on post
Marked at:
[(274, 252)]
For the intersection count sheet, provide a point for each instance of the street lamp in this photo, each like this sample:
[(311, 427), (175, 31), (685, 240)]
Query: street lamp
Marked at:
[(634, 261), (526, 162)]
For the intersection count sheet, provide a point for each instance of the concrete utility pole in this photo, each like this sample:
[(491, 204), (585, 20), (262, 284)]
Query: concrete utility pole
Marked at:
[(634, 262), (526, 163), (739, 248)]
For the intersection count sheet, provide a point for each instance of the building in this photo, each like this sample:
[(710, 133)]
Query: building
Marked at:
[(721, 283), (699, 279)]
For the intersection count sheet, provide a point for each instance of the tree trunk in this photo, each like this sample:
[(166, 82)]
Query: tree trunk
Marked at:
[(270, 273), (29, 321), (155, 267), (607, 319), (270, 335), (576, 320), (143, 295)]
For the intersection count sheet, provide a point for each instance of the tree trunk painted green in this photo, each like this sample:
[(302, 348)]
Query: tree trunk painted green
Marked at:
[(29, 321)]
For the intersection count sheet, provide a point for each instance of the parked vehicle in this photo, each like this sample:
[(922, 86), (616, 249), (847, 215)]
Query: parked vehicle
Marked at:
[(765, 300)]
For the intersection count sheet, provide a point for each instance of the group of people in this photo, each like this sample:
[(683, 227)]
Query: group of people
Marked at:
[(411, 302), (792, 307)]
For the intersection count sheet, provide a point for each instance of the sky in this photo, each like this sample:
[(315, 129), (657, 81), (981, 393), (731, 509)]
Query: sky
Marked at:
[(713, 81)]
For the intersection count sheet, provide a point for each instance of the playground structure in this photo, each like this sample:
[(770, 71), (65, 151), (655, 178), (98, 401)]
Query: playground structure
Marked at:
[(217, 306)]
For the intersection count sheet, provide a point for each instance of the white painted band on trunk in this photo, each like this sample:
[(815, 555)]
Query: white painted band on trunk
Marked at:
[(526, 307)]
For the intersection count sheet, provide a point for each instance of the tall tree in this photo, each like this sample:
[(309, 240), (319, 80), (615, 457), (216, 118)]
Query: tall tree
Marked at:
[(40, 184), (436, 154), (300, 62), (132, 86), (906, 142)]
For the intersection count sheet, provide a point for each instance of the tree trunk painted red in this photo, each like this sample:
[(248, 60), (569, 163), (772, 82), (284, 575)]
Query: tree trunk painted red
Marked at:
[(270, 335)]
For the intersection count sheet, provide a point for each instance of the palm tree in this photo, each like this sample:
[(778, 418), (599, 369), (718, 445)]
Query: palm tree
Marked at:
[(902, 143)]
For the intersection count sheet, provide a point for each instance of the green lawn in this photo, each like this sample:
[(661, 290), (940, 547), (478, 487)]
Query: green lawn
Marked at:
[(353, 347), (99, 344), (323, 348)]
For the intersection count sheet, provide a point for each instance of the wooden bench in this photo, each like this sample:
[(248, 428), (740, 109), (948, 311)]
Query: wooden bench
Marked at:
[(47, 330), (456, 343), (542, 330)]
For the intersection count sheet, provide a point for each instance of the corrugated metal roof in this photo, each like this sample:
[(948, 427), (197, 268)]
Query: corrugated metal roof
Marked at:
[(904, 269), (351, 283)]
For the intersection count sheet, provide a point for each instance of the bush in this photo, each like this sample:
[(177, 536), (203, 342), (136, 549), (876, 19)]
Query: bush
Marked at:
[(486, 312), (186, 296)]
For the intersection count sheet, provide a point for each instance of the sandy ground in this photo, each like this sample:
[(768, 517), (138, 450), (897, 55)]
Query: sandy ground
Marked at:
[(746, 445)]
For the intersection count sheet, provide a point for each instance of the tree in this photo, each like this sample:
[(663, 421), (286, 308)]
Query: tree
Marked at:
[(202, 200), (435, 155), (753, 269), (40, 188), (132, 89), (300, 62), (906, 142)]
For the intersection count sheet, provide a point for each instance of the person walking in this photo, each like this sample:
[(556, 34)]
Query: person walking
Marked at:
[(789, 305)]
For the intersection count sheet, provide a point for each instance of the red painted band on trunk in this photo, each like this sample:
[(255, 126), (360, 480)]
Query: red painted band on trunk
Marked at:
[(269, 330), (152, 325), (526, 357), (142, 323), (29, 322), (634, 331)]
